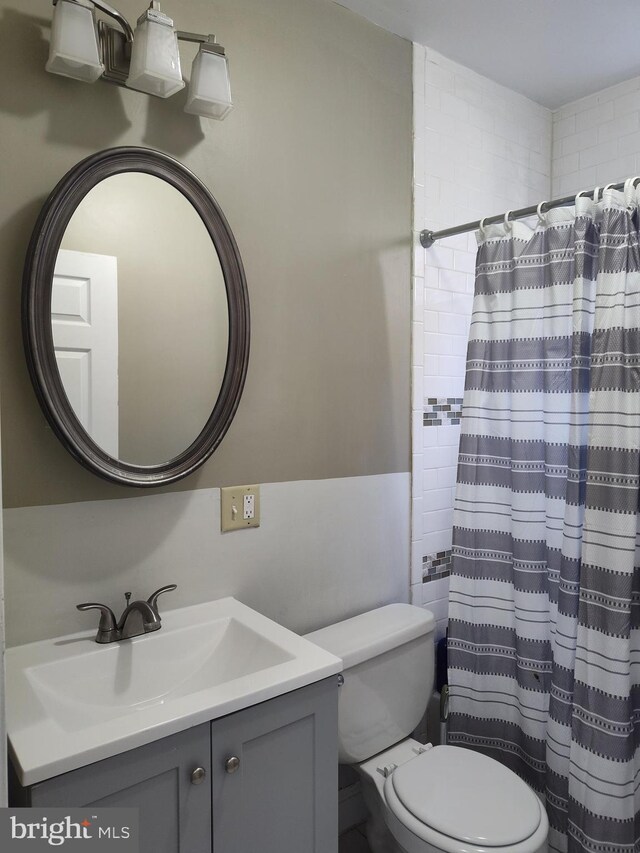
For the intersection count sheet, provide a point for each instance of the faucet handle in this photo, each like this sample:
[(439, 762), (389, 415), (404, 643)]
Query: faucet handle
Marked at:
[(153, 598), (107, 625)]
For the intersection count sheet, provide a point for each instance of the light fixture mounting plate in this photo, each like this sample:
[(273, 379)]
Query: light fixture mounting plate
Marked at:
[(116, 54)]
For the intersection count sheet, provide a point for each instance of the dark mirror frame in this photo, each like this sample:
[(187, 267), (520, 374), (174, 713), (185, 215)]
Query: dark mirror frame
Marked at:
[(36, 314)]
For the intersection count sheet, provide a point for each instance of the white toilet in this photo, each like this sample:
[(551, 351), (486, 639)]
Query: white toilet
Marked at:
[(421, 799)]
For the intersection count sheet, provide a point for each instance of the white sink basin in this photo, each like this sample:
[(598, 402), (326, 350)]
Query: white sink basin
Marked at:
[(71, 701)]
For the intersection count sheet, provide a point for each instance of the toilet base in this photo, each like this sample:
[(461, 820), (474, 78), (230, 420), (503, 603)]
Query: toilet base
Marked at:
[(380, 838), (378, 835)]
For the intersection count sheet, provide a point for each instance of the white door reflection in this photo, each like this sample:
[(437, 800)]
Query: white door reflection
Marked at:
[(84, 320), (171, 333)]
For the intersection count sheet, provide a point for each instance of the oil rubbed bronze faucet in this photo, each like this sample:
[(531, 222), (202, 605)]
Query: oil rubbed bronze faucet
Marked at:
[(139, 617)]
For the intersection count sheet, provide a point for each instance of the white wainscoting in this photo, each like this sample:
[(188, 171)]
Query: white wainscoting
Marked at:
[(325, 550)]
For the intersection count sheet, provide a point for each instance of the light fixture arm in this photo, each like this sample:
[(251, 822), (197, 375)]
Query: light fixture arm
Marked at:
[(195, 37), (207, 42), (117, 16), (113, 13)]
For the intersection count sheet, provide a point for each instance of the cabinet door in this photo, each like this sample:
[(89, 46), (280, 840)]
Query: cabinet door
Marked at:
[(175, 815), (283, 796)]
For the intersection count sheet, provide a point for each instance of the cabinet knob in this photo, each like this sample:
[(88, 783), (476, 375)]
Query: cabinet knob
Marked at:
[(198, 775), (232, 764)]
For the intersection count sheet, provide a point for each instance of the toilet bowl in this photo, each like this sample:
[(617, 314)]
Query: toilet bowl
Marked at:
[(420, 798)]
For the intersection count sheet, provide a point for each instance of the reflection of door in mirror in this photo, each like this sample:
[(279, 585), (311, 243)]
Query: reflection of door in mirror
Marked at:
[(84, 320), (172, 312)]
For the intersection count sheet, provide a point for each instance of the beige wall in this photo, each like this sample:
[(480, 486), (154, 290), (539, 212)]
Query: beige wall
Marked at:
[(313, 170)]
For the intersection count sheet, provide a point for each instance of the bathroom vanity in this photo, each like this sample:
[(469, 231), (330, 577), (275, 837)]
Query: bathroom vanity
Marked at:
[(217, 759), (262, 779)]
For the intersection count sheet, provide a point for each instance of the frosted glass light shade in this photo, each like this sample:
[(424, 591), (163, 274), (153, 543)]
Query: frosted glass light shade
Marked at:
[(155, 60), (209, 89), (74, 48)]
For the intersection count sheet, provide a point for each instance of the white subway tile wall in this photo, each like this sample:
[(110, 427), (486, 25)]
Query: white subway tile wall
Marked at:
[(479, 149), (596, 140)]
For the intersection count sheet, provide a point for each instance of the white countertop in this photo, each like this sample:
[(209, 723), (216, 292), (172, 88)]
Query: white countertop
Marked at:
[(72, 701)]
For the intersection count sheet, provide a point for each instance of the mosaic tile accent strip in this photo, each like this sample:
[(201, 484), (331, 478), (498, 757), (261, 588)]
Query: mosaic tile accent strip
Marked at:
[(436, 566), (442, 411)]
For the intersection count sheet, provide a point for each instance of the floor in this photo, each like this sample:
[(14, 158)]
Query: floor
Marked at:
[(353, 841)]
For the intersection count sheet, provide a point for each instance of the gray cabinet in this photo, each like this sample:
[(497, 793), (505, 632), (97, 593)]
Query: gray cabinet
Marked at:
[(174, 815), (280, 796)]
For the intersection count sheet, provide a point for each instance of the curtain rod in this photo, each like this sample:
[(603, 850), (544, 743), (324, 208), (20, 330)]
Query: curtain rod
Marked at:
[(428, 238)]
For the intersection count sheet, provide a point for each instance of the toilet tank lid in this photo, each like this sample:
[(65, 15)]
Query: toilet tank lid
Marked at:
[(373, 633)]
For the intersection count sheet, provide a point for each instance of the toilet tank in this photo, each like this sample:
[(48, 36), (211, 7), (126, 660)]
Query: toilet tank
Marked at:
[(388, 658)]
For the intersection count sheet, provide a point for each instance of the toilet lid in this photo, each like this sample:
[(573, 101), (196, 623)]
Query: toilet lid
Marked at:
[(467, 796)]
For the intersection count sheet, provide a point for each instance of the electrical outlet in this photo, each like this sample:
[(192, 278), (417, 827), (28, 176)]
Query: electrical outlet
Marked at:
[(248, 506), (239, 507)]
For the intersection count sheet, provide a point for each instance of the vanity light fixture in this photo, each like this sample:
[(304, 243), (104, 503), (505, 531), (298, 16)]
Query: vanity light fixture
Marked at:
[(209, 89), (147, 60), (74, 50), (155, 60)]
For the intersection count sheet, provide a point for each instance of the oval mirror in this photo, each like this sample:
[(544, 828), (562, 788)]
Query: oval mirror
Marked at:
[(135, 317)]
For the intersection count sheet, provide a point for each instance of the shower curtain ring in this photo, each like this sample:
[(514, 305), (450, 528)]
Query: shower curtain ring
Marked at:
[(541, 216), (630, 191), (483, 232), (596, 194), (508, 225), (579, 195)]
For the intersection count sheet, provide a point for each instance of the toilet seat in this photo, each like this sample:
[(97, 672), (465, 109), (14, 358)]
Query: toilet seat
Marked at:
[(460, 801)]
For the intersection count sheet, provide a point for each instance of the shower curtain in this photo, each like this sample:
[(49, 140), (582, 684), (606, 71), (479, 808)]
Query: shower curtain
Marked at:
[(544, 619)]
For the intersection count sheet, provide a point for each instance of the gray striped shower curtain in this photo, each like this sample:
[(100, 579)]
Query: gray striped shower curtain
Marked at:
[(544, 618)]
